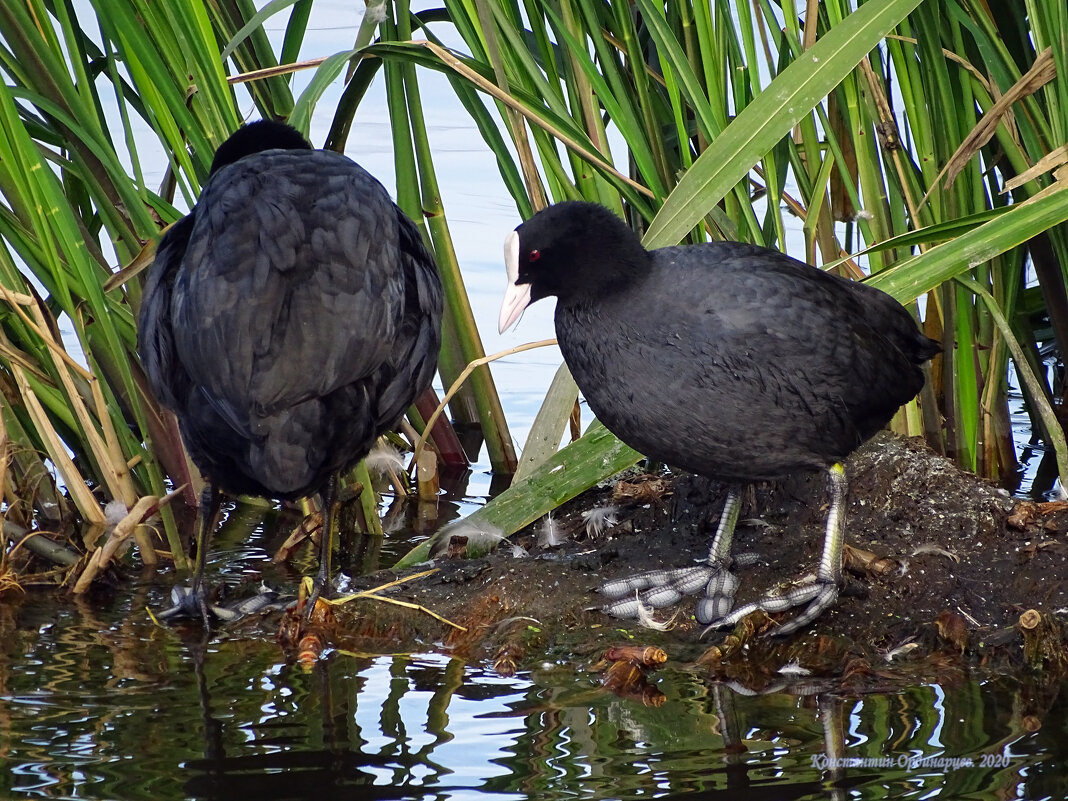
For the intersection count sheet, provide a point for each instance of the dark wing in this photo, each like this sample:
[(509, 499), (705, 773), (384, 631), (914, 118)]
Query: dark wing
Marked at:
[(291, 288), (890, 350), (169, 381), (824, 359), (409, 368), (740, 362)]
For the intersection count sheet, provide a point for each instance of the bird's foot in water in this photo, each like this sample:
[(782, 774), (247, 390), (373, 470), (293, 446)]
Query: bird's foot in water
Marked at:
[(815, 594), (190, 604), (657, 589)]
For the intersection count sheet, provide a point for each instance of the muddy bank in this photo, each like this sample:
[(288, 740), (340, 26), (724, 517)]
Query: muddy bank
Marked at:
[(959, 564)]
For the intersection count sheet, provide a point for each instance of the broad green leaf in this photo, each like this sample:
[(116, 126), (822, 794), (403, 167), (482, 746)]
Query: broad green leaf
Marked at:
[(912, 278), (544, 437), (593, 457)]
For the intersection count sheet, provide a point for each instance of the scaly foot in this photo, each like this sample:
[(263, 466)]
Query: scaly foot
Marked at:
[(815, 594), (192, 603), (657, 589)]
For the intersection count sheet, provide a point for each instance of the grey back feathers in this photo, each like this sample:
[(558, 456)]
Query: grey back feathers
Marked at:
[(289, 319)]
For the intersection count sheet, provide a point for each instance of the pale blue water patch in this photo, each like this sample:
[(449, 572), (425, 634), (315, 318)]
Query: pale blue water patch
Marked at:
[(1037, 475)]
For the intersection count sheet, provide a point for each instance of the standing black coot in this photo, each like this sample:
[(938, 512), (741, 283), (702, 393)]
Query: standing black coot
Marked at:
[(729, 360), (287, 321)]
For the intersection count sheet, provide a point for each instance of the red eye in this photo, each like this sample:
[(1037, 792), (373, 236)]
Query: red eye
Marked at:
[(534, 255)]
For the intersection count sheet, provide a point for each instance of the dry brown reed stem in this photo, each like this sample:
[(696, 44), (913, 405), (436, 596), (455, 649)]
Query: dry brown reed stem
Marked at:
[(123, 530), (471, 367)]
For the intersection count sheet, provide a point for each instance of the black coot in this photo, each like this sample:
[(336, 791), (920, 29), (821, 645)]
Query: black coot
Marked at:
[(726, 359), (287, 321)]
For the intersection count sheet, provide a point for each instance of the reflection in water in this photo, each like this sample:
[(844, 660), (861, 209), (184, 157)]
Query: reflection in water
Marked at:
[(96, 702), (396, 745), (285, 767)]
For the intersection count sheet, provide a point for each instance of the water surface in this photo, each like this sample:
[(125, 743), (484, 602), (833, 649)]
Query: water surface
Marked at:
[(98, 703)]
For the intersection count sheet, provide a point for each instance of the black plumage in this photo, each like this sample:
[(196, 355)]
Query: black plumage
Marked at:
[(729, 360), (288, 320)]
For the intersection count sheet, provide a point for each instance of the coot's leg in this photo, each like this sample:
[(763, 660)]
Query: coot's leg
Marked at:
[(657, 589), (210, 500), (818, 593), (193, 601), (322, 580), (722, 584)]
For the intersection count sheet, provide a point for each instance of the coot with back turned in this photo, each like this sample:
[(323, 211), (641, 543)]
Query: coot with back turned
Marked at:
[(728, 360), (288, 320)]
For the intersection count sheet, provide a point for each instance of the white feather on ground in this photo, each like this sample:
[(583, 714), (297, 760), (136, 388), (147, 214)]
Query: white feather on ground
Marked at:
[(646, 619), (481, 536), (600, 518), (549, 534), (384, 460)]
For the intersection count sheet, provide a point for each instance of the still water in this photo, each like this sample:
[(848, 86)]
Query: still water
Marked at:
[(96, 702)]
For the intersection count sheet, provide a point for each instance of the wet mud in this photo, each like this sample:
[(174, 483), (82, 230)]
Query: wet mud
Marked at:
[(949, 574)]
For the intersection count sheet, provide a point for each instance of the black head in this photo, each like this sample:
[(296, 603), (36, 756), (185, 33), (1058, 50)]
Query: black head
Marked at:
[(574, 250), (256, 137)]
